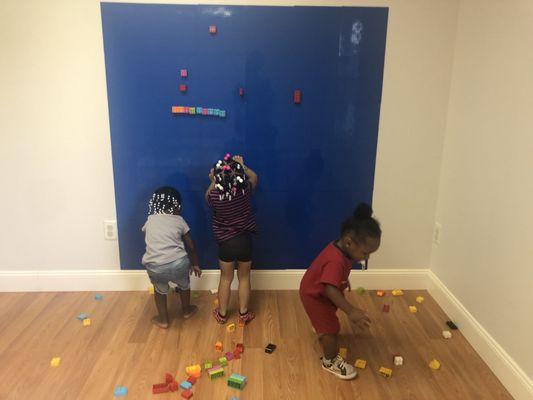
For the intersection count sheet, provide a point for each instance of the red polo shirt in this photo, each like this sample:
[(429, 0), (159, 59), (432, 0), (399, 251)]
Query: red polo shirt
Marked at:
[(330, 267)]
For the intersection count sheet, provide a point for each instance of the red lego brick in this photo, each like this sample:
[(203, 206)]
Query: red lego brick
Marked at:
[(386, 308), (183, 88), (169, 378), (183, 73), (236, 354), (241, 92), (191, 380), (297, 96), (187, 394), (240, 347), (212, 29), (160, 388), (173, 386)]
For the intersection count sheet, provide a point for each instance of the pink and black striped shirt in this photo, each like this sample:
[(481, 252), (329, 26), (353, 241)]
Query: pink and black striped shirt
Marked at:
[(231, 217)]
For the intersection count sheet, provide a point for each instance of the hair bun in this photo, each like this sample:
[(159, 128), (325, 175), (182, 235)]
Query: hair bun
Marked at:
[(362, 211)]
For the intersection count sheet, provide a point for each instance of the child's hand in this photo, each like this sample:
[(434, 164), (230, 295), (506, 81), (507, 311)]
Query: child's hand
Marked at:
[(196, 270), (359, 318), (239, 160)]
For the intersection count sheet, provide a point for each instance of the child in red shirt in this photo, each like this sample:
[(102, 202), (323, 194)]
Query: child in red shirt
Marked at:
[(324, 282)]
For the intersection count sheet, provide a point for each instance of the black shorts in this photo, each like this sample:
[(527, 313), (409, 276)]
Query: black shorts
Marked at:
[(238, 248)]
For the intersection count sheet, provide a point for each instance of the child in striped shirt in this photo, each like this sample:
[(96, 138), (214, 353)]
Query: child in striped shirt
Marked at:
[(229, 196)]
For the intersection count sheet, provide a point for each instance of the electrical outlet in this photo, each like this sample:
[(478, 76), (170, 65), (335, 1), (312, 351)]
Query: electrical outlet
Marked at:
[(437, 232), (110, 229)]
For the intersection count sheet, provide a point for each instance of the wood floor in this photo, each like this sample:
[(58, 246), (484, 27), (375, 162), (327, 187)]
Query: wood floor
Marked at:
[(122, 348)]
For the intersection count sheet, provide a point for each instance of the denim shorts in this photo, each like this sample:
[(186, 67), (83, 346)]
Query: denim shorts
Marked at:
[(171, 275)]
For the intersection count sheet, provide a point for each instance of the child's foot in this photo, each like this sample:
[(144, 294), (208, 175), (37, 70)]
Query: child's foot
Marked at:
[(246, 317), (159, 322), (339, 367), (190, 312), (221, 319)]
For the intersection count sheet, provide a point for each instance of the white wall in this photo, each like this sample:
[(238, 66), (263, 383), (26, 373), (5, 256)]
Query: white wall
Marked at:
[(55, 164), (486, 191)]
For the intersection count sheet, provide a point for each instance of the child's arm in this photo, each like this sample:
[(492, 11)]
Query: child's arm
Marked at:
[(355, 315), (211, 186), (187, 239), (252, 176)]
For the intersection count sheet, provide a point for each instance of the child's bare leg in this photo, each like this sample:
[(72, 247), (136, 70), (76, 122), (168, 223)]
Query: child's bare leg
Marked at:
[(243, 272), (224, 286), (329, 345), (187, 308), (161, 304)]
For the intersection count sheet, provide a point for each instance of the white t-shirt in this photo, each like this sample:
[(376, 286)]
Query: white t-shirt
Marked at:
[(163, 237)]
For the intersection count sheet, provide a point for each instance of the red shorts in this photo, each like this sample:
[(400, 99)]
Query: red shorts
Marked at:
[(323, 316)]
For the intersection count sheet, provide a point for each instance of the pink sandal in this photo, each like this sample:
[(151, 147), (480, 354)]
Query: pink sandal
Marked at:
[(220, 319), (246, 317)]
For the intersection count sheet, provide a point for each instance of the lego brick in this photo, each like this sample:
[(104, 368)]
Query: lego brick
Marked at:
[(237, 381), (185, 385), (229, 356), (151, 289), (82, 316), (216, 372), (183, 73), (173, 386), (218, 346), (297, 96), (222, 114), (386, 372), (398, 360), (343, 352), (86, 322), (412, 309), (223, 361), (419, 299), (380, 293), (270, 348), (54, 362), (386, 308), (120, 391), (175, 110), (191, 380), (183, 88), (451, 325), (187, 394), (446, 334), (397, 292), (236, 354), (193, 370), (212, 29), (169, 378), (230, 328), (98, 297), (241, 92), (361, 364), (434, 364), (360, 290), (240, 347), (192, 110), (205, 111), (198, 110), (159, 388), (208, 364)]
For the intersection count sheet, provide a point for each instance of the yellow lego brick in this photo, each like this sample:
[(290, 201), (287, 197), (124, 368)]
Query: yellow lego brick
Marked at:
[(419, 299), (412, 309), (386, 372), (434, 364), (360, 364), (397, 292), (343, 352), (151, 289), (55, 361), (86, 322), (230, 328)]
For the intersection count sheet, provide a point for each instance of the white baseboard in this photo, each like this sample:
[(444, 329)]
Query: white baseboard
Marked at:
[(119, 280), (500, 362)]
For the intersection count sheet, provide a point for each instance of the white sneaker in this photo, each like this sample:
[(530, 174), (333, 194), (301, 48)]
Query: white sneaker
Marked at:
[(339, 367)]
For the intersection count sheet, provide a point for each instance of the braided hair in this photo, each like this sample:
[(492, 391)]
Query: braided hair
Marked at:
[(165, 200), (361, 225), (230, 177)]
